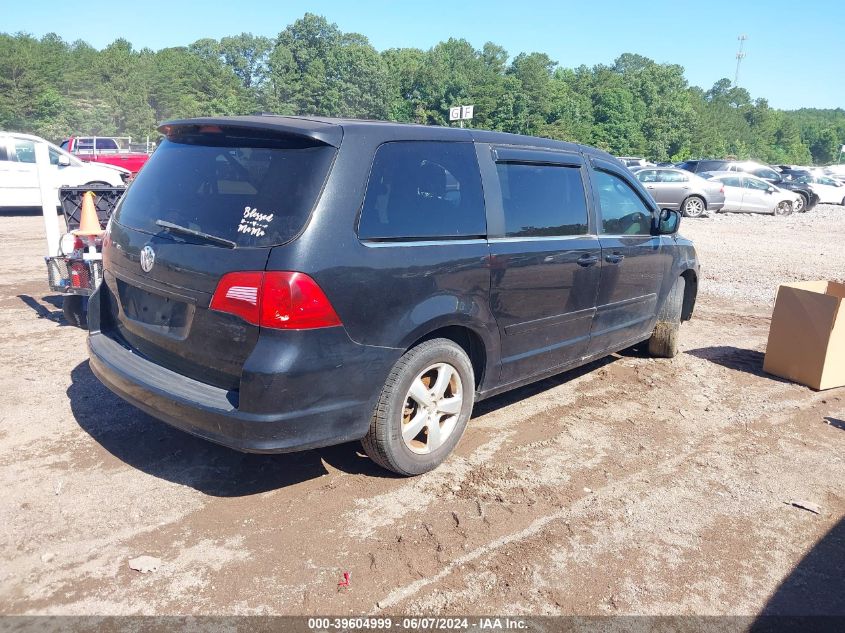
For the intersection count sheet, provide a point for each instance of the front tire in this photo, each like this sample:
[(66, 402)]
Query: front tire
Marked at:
[(423, 409), (664, 339), (800, 205), (783, 208), (693, 207)]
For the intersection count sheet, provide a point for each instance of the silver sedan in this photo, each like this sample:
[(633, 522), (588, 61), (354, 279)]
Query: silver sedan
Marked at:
[(750, 194), (682, 191)]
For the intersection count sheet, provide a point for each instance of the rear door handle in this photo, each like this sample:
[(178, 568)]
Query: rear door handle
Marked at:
[(587, 260), (614, 258)]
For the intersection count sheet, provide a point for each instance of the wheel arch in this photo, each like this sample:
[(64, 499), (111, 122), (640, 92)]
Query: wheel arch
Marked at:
[(695, 195), (464, 335)]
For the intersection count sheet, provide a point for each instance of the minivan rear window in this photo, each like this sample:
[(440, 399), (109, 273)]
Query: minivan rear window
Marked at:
[(247, 188)]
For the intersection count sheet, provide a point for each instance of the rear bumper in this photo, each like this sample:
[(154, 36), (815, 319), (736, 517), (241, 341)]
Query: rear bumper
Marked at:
[(337, 407)]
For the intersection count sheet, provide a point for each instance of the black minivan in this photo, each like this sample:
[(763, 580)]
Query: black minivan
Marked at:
[(282, 283)]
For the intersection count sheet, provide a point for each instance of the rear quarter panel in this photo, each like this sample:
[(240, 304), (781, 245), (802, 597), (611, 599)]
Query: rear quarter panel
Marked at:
[(388, 294)]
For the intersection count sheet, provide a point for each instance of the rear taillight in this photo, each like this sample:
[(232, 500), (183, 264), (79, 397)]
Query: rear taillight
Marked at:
[(294, 301), (238, 294), (280, 300), (722, 189)]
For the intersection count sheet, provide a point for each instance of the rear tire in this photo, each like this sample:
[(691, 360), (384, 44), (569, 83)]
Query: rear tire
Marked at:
[(693, 207), (664, 339), (74, 307), (432, 384)]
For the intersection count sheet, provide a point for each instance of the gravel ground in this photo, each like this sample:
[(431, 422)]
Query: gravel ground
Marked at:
[(745, 256), (697, 485)]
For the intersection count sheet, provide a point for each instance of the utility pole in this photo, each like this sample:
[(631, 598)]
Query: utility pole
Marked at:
[(740, 55)]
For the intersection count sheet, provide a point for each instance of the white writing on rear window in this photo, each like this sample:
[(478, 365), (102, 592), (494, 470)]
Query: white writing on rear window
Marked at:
[(254, 222)]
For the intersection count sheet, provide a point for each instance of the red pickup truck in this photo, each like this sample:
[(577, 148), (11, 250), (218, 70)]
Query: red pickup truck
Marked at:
[(112, 150)]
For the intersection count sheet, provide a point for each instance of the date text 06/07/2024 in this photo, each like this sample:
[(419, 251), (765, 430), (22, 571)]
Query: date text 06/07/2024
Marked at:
[(416, 623)]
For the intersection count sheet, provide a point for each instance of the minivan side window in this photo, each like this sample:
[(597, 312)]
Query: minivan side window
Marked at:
[(423, 190), (542, 200), (622, 211)]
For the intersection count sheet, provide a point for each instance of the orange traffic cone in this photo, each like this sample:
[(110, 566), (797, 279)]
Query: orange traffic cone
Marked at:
[(89, 225)]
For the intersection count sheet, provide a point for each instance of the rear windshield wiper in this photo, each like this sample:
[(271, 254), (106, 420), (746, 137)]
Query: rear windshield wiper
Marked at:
[(175, 228)]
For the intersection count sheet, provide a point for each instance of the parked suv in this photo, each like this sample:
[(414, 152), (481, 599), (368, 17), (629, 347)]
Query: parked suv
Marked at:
[(807, 198), (278, 283)]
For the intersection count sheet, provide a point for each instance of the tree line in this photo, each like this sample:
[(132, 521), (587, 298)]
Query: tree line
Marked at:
[(635, 106)]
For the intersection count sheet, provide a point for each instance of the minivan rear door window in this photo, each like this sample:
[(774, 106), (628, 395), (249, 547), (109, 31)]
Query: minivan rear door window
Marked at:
[(244, 188), (542, 200)]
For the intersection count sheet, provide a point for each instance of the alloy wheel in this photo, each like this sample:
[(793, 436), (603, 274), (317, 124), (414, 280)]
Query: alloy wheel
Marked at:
[(432, 408), (693, 207)]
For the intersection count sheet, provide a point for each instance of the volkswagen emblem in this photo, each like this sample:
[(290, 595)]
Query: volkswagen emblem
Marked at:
[(148, 258)]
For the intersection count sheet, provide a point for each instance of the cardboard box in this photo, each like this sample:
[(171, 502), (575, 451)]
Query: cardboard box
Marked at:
[(807, 334)]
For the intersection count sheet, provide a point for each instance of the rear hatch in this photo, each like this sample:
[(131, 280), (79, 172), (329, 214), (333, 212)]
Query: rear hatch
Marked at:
[(211, 200)]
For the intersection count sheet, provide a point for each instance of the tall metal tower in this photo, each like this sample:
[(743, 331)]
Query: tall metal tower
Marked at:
[(740, 55)]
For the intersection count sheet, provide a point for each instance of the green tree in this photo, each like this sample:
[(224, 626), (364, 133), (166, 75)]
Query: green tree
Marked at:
[(314, 68), (633, 106)]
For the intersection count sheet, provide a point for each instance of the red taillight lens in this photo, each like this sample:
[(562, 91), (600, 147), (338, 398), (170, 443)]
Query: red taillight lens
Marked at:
[(294, 301), (722, 189), (239, 294), (280, 300)]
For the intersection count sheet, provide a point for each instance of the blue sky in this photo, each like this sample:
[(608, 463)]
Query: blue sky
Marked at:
[(794, 57)]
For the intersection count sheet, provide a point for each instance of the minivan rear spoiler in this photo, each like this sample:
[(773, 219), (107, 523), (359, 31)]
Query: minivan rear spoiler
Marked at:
[(326, 133)]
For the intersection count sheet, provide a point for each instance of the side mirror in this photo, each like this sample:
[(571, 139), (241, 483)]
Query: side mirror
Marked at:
[(771, 189), (668, 222), (64, 161)]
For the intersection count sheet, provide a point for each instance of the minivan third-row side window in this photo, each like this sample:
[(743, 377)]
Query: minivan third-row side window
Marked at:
[(420, 190), (542, 200)]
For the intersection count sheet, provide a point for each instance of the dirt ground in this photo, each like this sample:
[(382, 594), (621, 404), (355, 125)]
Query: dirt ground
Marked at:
[(631, 486)]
